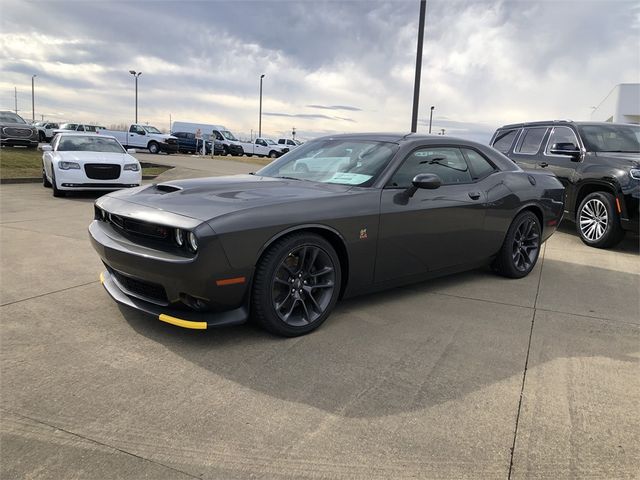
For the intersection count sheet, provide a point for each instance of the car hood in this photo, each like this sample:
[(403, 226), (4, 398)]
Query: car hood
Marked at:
[(95, 157), (207, 198), (630, 160)]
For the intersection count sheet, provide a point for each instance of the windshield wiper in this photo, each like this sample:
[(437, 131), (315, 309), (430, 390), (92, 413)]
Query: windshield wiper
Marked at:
[(289, 178)]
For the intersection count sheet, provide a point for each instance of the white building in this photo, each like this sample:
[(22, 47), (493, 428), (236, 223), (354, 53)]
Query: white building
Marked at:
[(622, 105)]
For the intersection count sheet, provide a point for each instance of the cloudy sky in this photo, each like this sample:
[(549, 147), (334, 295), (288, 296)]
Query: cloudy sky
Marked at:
[(341, 66)]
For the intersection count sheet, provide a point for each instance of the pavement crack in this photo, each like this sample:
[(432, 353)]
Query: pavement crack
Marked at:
[(48, 293), (97, 442), (526, 366)]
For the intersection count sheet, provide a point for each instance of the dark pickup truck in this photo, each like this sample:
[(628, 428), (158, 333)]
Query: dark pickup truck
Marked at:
[(598, 164), (188, 143)]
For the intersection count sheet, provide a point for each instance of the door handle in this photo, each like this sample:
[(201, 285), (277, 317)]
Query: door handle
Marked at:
[(474, 195), (544, 164)]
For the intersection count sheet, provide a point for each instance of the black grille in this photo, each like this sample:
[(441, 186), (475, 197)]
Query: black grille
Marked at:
[(17, 132), (140, 287), (140, 228), (102, 171), (171, 141)]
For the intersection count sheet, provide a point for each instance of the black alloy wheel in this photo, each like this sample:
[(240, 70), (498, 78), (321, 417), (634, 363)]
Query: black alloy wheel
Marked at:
[(521, 247), (297, 284), (598, 222)]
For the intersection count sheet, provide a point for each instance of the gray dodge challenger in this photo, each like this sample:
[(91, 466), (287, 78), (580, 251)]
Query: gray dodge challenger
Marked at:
[(336, 217)]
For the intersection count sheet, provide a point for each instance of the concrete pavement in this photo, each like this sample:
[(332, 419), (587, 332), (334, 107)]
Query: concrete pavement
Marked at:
[(436, 380)]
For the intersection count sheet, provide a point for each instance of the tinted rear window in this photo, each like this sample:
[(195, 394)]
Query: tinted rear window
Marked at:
[(531, 140), (504, 140)]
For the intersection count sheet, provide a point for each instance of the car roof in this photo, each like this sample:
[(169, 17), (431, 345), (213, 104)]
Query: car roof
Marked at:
[(543, 123), (403, 138), (73, 133)]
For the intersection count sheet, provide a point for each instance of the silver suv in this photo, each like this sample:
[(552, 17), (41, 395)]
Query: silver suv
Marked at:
[(14, 131)]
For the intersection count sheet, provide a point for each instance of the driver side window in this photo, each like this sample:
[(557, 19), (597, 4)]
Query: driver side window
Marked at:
[(446, 162)]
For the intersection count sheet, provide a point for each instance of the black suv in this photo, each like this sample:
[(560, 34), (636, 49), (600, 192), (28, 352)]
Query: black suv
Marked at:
[(598, 163)]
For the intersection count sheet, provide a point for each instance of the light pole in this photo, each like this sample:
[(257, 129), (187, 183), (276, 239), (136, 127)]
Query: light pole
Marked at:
[(15, 91), (416, 85), (431, 117), (33, 99), (260, 120), (136, 75)]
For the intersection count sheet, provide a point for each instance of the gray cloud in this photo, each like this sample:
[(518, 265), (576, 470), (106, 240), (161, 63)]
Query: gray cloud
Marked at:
[(307, 115), (484, 61), (336, 107)]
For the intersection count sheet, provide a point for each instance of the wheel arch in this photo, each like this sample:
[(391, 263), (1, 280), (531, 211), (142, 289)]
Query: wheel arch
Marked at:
[(589, 187), (330, 234)]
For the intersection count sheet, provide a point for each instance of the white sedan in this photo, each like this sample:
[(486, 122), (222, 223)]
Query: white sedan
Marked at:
[(76, 161)]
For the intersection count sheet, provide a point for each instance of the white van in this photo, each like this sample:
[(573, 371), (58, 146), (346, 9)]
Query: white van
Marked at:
[(230, 143)]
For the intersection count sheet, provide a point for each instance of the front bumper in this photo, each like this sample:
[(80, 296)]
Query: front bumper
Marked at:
[(77, 179), (19, 142), (181, 318), (168, 147), (133, 267)]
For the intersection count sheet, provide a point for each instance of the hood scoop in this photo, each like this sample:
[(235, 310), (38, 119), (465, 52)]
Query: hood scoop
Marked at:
[(167, 188)]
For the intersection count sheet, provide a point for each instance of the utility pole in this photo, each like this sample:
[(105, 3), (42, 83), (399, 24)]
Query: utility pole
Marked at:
[(33, 101), (431, 117), (15, 89), (136, 75), (416, 84), (260, 120)]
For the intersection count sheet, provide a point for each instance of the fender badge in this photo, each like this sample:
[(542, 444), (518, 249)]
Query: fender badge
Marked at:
[(363, 233)]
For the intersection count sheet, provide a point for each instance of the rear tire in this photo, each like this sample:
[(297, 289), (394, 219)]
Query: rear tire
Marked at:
[(296, 285), (521, 247), (598, 222)]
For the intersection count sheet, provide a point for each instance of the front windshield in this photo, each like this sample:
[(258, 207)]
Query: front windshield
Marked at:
[(270, 142), (229, 136), (93, 143), (9, 117), (150, 129), (347, 162), (611, 138), (68, 126)]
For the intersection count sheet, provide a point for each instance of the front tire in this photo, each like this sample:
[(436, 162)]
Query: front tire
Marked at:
[(296, 285), (45, 182), (56, 191), (42, 137), (521, 247), (153, 148), (273, 154), (598, 222)]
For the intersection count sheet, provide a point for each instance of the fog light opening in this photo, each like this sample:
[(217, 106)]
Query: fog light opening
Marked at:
[(194, 303)]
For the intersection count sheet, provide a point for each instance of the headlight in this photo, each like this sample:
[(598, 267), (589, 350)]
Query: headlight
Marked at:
[(635, 173), (68, 166), (179, 237), (193, 242), (134, 167)]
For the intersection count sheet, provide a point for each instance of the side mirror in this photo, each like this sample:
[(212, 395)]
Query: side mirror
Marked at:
[(142, 132), (565, 148), (46, 148), (429, 181), (131, 150)]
